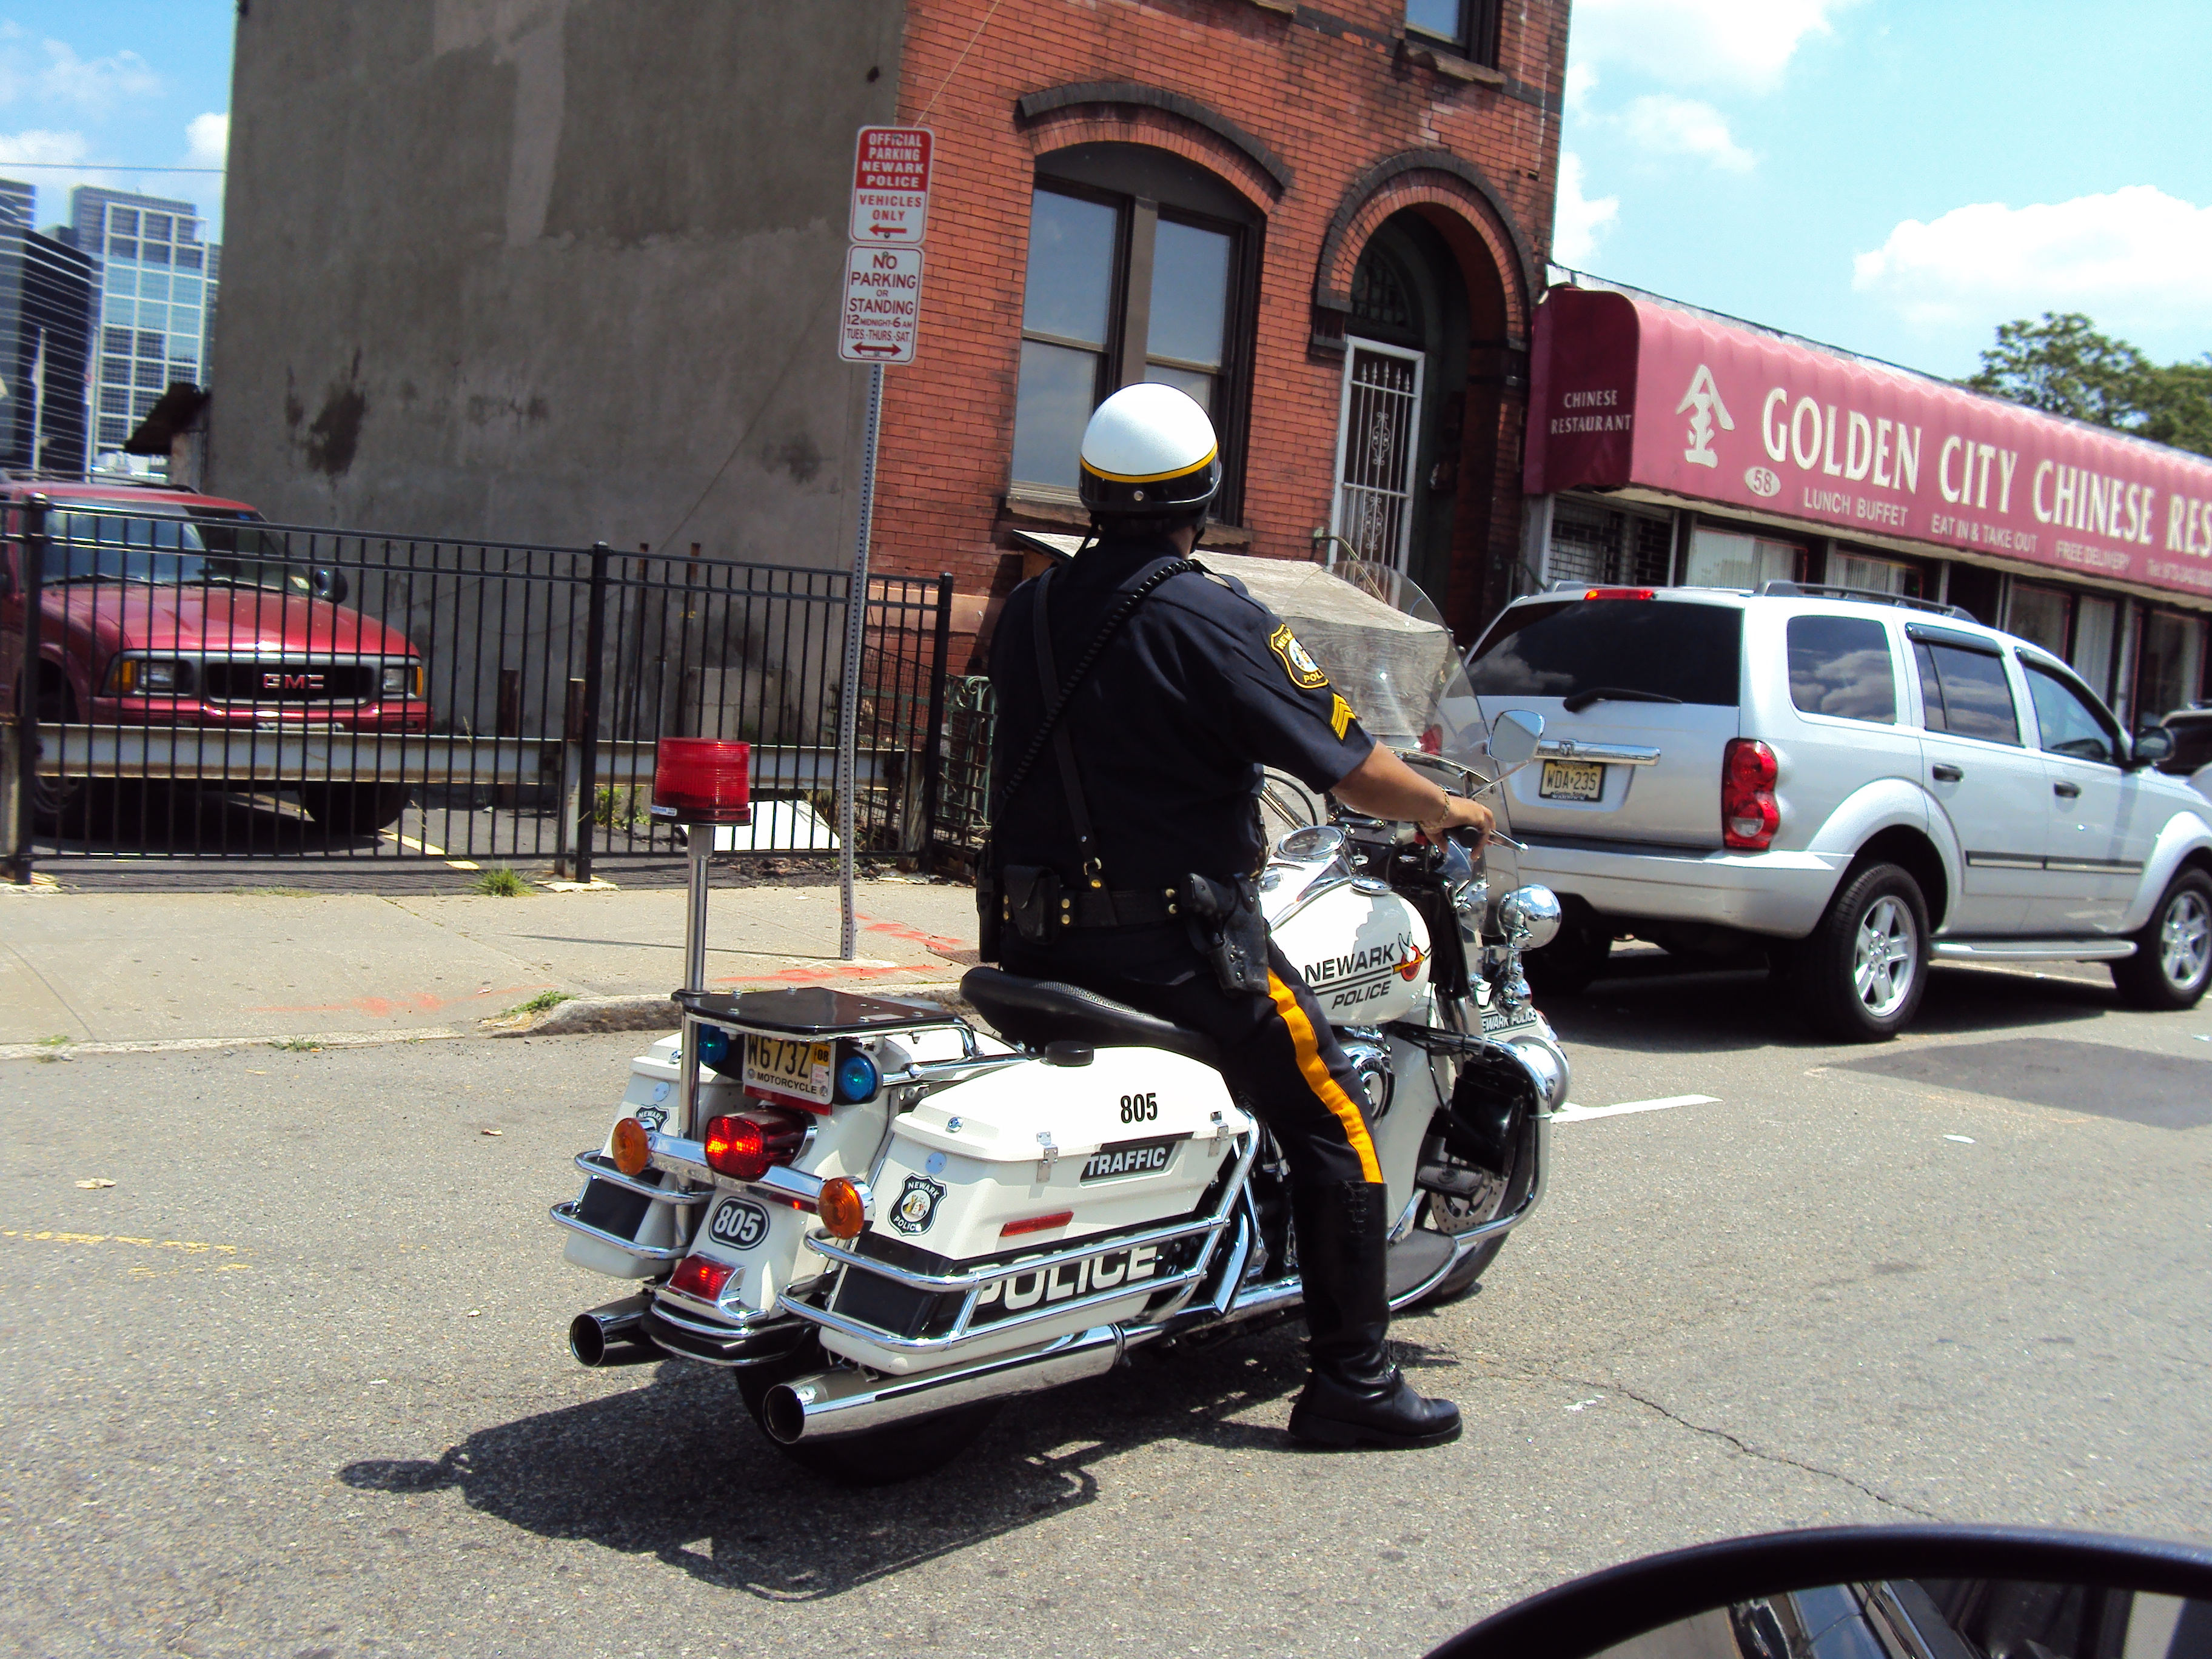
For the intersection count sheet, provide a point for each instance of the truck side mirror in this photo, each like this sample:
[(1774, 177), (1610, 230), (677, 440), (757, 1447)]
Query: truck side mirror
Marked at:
[(2153, 744), (330, 585)]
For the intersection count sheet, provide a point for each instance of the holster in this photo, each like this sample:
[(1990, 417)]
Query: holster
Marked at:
[(1030, 900), (990, 917), (1227, 928)]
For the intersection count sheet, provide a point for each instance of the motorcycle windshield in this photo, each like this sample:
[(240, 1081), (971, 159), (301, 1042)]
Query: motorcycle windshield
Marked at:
[(1383, 643)]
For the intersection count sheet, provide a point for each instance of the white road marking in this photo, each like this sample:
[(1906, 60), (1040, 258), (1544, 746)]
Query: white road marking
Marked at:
[(1964, 1140), (1571, 1113)]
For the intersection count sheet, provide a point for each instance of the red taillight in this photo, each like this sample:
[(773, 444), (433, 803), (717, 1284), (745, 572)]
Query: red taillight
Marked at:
[(1749, 815), (1616, 594), (700, 781), (701, 1276), (743, 1146)]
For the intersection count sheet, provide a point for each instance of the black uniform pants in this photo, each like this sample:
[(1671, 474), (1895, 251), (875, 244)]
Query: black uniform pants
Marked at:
[(1279, 1055)]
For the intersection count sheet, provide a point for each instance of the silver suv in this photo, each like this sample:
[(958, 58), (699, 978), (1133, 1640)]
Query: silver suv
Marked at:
[(1858, 783)]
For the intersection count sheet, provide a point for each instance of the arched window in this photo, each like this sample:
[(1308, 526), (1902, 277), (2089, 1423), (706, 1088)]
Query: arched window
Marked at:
[(1140, 265)]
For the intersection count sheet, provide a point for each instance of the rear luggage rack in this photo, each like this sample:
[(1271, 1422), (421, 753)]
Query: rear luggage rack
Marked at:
[(1789, 589)]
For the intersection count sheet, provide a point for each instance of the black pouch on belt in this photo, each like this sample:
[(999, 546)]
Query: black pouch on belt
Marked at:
[(990, 902), (1032, 901), (1227, 929)]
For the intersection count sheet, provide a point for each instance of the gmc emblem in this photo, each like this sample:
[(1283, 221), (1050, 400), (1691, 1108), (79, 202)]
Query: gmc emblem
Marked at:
[(291, 682)]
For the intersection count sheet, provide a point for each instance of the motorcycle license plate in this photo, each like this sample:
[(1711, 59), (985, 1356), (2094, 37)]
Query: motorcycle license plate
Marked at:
[(791, 1067), (1572, 780)]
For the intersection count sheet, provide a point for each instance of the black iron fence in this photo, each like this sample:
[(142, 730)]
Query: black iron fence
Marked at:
[(177, 682)]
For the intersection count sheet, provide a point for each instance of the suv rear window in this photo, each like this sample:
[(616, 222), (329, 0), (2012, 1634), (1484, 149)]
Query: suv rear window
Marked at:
[(1682, 652), (1841, 666)]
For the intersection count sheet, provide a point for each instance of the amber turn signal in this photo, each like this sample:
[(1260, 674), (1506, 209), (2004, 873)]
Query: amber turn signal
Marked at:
[(632, 1152), (843, 1207)]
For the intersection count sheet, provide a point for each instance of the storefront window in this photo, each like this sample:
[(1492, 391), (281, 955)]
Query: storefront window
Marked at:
[(1874, 575), (1593, 544), (1723, 558), (2038, 614), (1120, 289), (2094, 622), (2170, 673)]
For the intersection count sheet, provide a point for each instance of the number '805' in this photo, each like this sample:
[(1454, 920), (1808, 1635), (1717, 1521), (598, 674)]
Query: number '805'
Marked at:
[(1139, 1109)]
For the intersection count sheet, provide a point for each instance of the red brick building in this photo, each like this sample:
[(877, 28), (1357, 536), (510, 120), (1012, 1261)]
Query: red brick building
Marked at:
[(1327, 223)]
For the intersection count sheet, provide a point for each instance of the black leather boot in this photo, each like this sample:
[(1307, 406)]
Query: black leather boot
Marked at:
[(1356, 1396)]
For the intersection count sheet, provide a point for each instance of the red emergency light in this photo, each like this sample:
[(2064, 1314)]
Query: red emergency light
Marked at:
[(702, 780)]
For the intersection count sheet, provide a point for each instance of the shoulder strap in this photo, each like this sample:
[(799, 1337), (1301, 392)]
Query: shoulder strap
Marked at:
[(1071, 779), (1045, 732)]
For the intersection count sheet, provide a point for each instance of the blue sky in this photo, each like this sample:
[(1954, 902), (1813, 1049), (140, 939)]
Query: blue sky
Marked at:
[(102, 88), (1899, 176), (1894, 176)]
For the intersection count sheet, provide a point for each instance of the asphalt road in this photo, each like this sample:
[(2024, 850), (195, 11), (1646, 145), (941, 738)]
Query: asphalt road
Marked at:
[(294, 1385)]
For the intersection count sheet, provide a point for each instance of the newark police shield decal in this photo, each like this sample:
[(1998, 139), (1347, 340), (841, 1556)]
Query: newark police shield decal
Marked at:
[(917, 1203)]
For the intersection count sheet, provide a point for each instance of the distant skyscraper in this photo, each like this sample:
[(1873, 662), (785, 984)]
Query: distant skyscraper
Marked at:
[(47, 294), (18, 204), (156, 294)]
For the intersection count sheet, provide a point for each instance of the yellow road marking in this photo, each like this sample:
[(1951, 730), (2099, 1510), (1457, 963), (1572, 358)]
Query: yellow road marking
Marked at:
[(189, 1246), (419, 846), (1315, 1071)]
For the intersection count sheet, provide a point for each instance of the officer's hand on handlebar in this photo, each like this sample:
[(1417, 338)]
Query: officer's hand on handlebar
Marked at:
[(1384, 786), (1460, 813)]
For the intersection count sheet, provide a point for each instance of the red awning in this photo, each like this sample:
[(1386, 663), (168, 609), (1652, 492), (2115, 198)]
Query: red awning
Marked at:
[(1628, 390)]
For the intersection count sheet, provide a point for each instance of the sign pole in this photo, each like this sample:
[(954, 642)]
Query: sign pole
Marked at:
[(849, 716)]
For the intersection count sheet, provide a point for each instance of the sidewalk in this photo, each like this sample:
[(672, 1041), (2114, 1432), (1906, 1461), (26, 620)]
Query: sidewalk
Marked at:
[(164, 967)]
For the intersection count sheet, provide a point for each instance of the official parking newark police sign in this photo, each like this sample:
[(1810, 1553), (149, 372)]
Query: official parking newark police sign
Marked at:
[(881, 313)]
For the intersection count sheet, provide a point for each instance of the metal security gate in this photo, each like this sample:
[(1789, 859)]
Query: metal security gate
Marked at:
[(1378, 431), (180, 685)]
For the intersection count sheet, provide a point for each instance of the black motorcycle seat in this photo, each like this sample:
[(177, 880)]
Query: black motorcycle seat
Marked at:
[(1036, 1012)]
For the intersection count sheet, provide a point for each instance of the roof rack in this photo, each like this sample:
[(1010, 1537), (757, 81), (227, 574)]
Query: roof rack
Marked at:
[(1787, 590)]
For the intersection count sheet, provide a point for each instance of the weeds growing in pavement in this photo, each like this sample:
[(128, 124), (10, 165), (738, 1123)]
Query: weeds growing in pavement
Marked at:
[(621, 809), (538, 1004), (59, 1039), (500, 882), (296, 1045)]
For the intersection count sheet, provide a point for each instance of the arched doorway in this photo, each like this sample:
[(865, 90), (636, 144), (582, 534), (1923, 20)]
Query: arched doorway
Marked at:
[(1402, 417)]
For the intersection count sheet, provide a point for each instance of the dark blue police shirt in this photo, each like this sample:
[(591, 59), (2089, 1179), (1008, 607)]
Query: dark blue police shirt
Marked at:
[(1199, 689)]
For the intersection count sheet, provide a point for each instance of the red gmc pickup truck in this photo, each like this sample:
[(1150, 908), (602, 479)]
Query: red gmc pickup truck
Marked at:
[(164, 608)]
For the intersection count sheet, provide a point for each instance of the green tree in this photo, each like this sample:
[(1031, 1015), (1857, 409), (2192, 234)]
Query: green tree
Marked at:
[(2063, 365)]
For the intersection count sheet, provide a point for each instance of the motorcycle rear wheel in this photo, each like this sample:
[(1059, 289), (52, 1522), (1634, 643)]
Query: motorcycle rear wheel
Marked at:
[(875, 1457)]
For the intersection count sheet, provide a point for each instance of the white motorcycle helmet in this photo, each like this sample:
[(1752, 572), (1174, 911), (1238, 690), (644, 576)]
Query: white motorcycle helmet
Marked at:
[(1149, 452)]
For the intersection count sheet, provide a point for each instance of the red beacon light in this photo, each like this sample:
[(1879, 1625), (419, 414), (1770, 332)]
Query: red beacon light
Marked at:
[(702, 780)]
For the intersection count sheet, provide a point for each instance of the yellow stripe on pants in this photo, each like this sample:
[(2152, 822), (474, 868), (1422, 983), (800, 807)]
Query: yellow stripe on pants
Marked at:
[(1307, 1047)]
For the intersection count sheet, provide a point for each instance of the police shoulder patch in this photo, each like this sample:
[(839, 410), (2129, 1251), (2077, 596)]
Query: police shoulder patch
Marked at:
[(1305, 673), (1341, 715)]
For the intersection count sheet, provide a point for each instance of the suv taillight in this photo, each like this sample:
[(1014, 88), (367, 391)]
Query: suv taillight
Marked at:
[(1749, 815), (743, 1145)]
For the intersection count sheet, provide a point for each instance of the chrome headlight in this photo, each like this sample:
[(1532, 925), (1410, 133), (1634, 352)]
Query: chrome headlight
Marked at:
[(149, 676), (402, 679), (1530, 916)]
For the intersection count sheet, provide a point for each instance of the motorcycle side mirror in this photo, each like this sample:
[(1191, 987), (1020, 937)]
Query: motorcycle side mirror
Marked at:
[(1513, 738), (1929, 1589)]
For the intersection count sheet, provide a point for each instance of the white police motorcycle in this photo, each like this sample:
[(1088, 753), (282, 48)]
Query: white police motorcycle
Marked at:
[(886, 1221)]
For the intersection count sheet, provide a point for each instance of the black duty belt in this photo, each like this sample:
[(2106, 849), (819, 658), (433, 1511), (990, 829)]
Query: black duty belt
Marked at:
[(1118, 907)]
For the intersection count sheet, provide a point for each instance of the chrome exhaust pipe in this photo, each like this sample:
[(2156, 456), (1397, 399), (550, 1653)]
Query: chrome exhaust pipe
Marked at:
[(612, 1335), (852, 1401)]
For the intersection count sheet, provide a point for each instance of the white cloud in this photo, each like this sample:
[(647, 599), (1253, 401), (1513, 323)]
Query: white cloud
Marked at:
[(209, 136), (40, 148), (1734, 43), (1582, 81), (2134, 257), (1577, 220), (97, 84), (1684, 126)]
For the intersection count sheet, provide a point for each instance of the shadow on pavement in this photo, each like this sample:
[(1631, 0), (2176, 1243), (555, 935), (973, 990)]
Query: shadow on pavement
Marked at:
[(1664, 1005), (678, 1470)]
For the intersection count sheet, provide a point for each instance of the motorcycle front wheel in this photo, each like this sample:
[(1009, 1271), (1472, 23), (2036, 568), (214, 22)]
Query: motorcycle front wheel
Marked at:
[(874, 1457)]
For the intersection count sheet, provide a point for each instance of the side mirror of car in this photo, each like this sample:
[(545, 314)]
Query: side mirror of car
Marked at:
[(1513, 738), (2153, 744), (1939, 1590), (331, 584)]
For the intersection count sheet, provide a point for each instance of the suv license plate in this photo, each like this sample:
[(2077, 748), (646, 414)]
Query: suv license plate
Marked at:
[(1572, 780), (797, 1070)]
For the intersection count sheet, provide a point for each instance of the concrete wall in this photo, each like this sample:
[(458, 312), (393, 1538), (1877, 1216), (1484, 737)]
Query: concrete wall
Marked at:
[(550, 270)]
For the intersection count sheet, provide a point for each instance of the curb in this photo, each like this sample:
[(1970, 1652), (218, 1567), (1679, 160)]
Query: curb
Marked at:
[(186, 1045), (586, 1015)]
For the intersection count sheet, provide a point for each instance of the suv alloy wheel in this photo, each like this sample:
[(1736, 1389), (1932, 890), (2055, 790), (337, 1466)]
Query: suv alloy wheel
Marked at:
[(2172, 962), (1860, 974)]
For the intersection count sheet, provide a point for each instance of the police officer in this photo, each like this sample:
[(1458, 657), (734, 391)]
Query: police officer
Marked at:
[(1196, 691)]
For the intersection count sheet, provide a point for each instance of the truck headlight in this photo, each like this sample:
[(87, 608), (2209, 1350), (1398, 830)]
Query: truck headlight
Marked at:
[(402, 679), (149, 676)]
